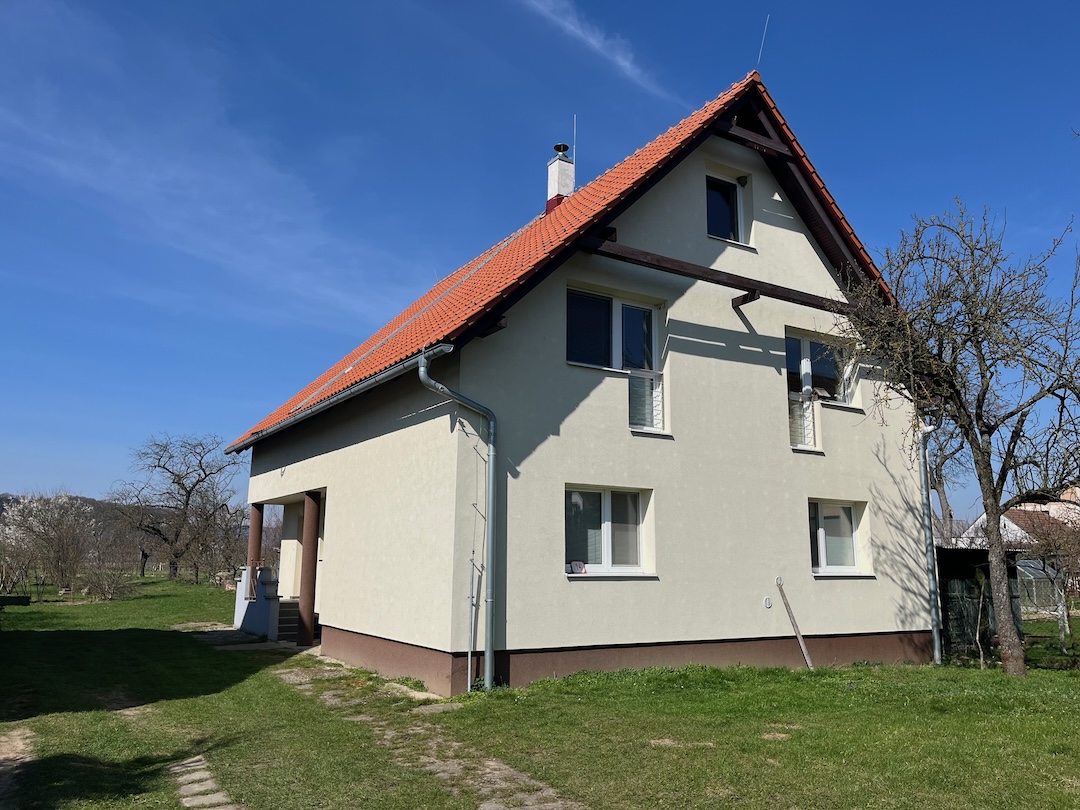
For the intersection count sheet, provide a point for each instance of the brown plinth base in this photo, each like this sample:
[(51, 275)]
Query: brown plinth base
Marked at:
[(446, 673)]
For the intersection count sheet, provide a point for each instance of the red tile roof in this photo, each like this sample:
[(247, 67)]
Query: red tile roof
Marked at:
[(1038, 525), (461, 299)]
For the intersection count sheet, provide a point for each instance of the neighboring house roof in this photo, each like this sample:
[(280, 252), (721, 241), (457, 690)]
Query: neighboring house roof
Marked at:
[(1020, 529), (1037, 525), (456, 308)]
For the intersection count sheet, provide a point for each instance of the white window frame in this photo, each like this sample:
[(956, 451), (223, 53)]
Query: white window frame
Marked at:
[(606, 566), (846, 371), (856, 520), (742, 231), (617, 306), (811, 402)]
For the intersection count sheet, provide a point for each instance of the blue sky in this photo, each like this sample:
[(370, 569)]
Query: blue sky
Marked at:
[(203, 205)]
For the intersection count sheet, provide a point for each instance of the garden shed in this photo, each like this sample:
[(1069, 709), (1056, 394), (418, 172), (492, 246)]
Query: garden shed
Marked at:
[(967, 611)]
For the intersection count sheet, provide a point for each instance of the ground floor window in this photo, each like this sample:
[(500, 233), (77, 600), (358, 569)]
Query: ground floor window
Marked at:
[(833, 534), (603, 531)]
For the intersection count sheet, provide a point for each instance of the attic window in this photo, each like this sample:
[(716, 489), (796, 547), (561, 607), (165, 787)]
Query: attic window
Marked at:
[(722, 204)]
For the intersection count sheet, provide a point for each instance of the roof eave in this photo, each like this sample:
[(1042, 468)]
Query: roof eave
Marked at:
[(367, 384)]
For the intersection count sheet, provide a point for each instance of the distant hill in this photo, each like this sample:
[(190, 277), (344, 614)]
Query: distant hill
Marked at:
[(102, 509)]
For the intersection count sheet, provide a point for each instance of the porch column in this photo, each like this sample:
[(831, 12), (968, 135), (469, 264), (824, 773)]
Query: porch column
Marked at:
[(254, 550), (255, 531), (305, 632)]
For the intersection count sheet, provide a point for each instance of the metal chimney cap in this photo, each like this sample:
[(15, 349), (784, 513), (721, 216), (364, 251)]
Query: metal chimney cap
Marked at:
[(562, 148)]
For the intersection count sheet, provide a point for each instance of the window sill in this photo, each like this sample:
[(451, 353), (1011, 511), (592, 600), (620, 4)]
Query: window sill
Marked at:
[(655, 434), (842, 406), (733, 243), (621, 371), (826, 574), (806, 450), (613, 575)]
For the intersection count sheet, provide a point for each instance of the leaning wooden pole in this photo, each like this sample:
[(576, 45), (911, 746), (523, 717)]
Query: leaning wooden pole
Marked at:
[(794, 624)]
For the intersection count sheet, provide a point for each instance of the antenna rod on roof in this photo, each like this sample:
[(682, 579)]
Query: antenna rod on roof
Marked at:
[(573, 155), (762, 48)]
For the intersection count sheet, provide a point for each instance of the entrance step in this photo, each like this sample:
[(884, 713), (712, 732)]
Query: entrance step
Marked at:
[(289, 621)]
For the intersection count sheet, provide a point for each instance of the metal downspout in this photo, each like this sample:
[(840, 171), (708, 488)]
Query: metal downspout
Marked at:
[(928, 530), (489, 538)]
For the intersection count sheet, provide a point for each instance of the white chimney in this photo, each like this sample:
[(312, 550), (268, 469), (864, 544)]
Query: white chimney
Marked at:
[(560, 177)]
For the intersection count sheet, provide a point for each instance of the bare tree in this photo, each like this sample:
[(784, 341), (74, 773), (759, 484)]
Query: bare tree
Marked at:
[(107, 566), (57, 529), (979, 338), (18, 558), (1057, 545), (944, 466), (183, 482)]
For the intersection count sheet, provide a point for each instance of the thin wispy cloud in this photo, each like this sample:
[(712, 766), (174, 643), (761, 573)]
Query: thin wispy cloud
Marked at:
[(140, 131), (611, 47)]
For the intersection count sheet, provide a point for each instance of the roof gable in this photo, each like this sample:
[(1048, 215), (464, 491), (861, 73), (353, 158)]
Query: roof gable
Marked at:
[(456, 308)]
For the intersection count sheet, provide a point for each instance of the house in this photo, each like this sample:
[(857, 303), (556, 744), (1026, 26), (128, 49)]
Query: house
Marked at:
[(1044, 538), (675, 436)]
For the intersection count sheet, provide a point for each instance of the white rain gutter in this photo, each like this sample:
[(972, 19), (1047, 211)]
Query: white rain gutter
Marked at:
[(489, 518), (383, 376)]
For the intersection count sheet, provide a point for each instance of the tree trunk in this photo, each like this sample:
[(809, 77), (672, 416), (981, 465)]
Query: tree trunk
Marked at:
[(174, 568), (1012, 650), (144, 556), (1062, 617), (938, 486)]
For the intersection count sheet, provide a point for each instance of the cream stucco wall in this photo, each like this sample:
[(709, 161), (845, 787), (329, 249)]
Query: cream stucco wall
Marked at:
[(727, 494), (385, 463), (404, 475)]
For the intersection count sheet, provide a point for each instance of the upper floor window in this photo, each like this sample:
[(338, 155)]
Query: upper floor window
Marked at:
[(588, 328), (815, 371), (610, 333), (723, 206), (814, 368)]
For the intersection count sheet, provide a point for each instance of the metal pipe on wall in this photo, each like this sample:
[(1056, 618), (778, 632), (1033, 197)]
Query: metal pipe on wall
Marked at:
[(489, 536), (928, 531)]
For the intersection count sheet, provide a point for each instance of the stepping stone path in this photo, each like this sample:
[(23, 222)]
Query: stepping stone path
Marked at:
[(495, 784), (197, 787)]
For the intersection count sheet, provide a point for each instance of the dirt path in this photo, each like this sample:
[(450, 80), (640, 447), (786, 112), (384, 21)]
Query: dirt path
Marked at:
[(16, 750)]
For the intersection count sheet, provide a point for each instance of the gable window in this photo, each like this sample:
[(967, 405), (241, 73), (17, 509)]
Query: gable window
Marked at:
[(722, 206), (603, 531), (610, 333), (815, 371), (832, 537)]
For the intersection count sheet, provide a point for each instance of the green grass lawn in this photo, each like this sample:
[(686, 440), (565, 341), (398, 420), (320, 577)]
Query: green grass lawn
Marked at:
[(834, 738), (1042, 645), (68, 669), (114, 696)]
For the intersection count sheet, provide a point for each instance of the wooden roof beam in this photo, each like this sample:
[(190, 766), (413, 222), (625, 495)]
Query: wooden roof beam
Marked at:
[(755, 288), (741, 135)]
